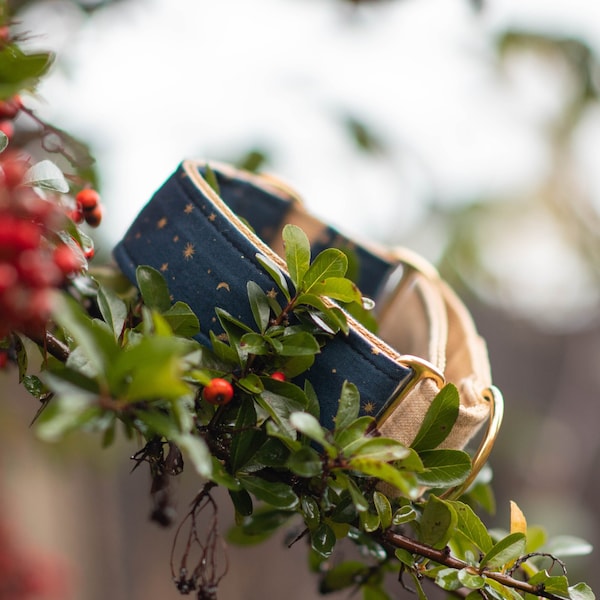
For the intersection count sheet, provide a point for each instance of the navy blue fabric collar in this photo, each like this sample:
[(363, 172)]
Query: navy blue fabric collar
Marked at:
[(207, 256)]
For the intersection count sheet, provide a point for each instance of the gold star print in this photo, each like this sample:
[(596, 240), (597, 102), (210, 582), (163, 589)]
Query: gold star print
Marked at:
[(223, 285), (212, 217), (188, 208), (368, 407), (375, 351), (189, 251), (175, 238), (164, 267), (138, 235), (161, 223), (272, 293)]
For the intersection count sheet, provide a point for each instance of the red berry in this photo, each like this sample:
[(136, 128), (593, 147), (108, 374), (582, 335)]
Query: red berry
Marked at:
[(76, 214), (7, 128), (278, 375), (10, 108), (218, 391), (94, 217), (36, 269), (89, 253), (66, 260), (8, 277), (88, 199), (14, 170)]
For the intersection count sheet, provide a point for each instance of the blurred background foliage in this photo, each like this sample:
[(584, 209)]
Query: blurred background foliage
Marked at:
[(468, 131)]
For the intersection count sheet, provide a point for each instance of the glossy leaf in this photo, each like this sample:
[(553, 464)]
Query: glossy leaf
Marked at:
[(348, 406), (112, 309), (405, 514), (346, 436), (275, 493), (302, 343), (383, 508), (247, 440), (275, 272), (448, 579), (3, 141), (470, 579), (305, 462), (377, 448), (471, 527), (259, 304), (444, 468), (439, 419), (581, 591), (338, 288), (505, 551), (329, 263), (259, 526), (310, 512), (322, 540), (297, 253), (553, 584), (182, 320), (309, 426), (45, 174), (153, 288), (438, 522), (242, 502), (385, 472)]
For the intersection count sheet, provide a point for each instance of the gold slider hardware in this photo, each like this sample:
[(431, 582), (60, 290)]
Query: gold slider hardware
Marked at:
[(422, 369), (494, 397)]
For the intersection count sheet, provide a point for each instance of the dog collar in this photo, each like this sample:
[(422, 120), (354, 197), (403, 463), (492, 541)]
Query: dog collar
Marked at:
[(201, 243)]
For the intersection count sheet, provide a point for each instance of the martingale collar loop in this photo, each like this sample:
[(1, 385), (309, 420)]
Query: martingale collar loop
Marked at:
[(205, 244)]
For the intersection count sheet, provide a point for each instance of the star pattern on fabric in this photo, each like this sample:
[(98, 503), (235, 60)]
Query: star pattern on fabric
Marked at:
[(188, 208), (223, 285), (212, 217), (368, 407), (189, 251), (375, 350), (161, 223), (175, 238), (164, 267), (272, 293)]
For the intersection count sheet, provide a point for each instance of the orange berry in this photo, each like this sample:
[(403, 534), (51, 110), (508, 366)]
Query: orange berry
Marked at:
[(94, 216)]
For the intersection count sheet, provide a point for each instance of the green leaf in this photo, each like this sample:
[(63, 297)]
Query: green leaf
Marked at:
[(246, 441), (383, 508), (153, 288), (505, 551), (581, 591), (381, 470), (197, 452), (252, 384), (276, 274), (444, 468), (553, 584), (369, 522), (66, 414), (34, 385), (470, 526), (310, 512), (259, 526), (378, 448), (338, 288), (3, 141), (307, 424), (438, 522), (358, 499), (329, 263), (182, 320), (259, 304), (439, 419), (299, 344), (151, 369), (277, 494), (297, 253), (563, 546), (96, 342), (348, 406), (45, 174), (343, 575), (471, 580), (242, 502), (405, 514), (322, 540), (447, 579), (112, 309), (19, 71), (374, 592), (348, 435), (305, 462)]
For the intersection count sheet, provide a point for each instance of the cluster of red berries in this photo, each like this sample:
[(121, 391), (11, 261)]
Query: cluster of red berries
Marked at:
[(88, 208), (34, 259), (9, 109)]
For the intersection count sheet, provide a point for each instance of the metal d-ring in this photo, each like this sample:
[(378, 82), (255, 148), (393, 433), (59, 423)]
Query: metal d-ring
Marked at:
[(494, 397)]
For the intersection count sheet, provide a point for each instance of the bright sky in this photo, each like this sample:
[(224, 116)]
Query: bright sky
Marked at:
[(152, 82)]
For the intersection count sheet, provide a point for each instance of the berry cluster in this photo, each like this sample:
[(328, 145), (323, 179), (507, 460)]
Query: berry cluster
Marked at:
[(34, 258), (88, 208), (9, 109)]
